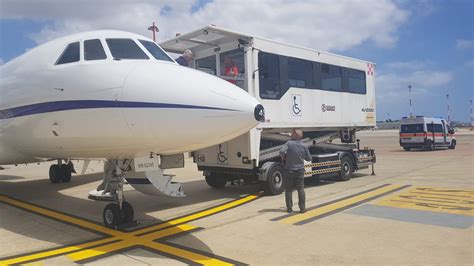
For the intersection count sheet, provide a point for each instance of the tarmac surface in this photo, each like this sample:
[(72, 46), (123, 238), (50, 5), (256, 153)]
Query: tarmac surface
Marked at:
[(419, 208)]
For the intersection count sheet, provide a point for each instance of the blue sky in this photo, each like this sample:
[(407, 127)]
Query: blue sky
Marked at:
[(428, 44)]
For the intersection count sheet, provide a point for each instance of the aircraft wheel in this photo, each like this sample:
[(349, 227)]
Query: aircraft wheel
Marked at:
[(65, 173), (54, 174), (127, 212), (112, 215)]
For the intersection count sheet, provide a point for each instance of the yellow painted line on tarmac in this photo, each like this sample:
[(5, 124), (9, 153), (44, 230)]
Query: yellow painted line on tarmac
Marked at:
[(128, 241), (444, 200), (59, 216), (118, 240), (339, 205)]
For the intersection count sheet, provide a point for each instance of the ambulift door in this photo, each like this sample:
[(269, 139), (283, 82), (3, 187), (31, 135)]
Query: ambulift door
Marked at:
[(444, 132)]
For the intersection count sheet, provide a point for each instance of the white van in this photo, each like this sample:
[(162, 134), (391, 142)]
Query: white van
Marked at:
[(426, 132)]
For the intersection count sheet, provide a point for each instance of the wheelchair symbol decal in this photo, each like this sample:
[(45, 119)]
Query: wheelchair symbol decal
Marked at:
[(222, 154), (296, 105)]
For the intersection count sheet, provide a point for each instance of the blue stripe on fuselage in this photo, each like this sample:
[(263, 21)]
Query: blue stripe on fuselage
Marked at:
[(47, 107)]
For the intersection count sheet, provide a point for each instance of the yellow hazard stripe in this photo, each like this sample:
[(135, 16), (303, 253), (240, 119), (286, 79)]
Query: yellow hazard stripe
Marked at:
[(323, 164), (338, 205)]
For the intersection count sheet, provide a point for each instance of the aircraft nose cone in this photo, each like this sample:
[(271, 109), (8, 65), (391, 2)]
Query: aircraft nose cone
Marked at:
[(259, 113)]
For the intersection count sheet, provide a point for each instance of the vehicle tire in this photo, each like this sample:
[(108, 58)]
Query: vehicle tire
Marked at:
[(65, 173), (406, 148), (54, 174), (453, 145), (431, 146), (216, 181), (346, 168), (274, 184), (127, 212), (112, 215)]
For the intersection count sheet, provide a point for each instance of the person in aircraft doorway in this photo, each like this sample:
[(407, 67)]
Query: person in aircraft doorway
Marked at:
[(293, 154), (186, 58)]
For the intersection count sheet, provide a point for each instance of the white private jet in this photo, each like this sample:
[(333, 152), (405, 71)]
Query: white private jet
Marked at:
[(118, 96)]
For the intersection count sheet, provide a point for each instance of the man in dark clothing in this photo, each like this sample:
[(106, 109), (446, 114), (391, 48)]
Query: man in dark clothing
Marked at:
[(186, 58), (293, 154)]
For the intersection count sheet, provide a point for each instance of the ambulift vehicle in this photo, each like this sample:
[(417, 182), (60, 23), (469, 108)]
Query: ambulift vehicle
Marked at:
[(426, 133), (328, 96)]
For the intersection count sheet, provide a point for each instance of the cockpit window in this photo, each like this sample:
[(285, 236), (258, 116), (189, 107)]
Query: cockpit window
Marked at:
[(155, 51), (93, 50), (70, 54), (125, 49)]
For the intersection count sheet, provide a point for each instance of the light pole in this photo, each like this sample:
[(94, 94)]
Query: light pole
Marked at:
[(472, 118), (388, 117), (154, 29), (409, 93), (447, 102)]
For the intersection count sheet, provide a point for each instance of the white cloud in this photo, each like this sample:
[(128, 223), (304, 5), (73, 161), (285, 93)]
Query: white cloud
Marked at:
[(322, 24), (464, 44), (1, 61), (392, 83)]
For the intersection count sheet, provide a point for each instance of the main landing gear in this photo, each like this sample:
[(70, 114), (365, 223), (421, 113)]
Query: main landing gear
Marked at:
[(119, 213), (61, 172)]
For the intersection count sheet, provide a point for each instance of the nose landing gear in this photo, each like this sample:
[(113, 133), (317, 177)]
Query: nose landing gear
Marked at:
[(120, 213)]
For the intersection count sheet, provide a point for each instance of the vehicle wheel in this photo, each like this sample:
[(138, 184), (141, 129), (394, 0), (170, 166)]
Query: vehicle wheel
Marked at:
[(127, 212), (216, 181), (54, 174), (406, 148), (453, 145), (346, 168), (112, 216), (274, 184), (431, 146), (65, 173)]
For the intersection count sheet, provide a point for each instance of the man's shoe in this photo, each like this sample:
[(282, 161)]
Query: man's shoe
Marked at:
[(289, 210), (302, 211)]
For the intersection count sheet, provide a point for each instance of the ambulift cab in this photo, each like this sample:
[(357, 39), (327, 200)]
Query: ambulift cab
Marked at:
[(328, 96), (426, 133)]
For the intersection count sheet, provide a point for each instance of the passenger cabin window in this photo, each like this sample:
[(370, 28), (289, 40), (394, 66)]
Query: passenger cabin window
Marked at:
[(413, 128), (269, 76), (155, 51), (438, 128), (331, 77), (278, 73), (70, 54), (357, 82), (300, 73), (93, 50), (125, 49)]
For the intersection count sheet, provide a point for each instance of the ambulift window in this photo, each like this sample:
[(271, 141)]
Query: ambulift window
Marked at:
[(207, 64), (155, 51), (70, 54), (93, 50), (357, 82), (233, 67), (331, 77), (125, 49), (300, 73), (269, 76)]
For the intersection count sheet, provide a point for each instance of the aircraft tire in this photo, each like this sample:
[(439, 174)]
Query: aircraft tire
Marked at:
[(112, 215), (54, 174), (65, 173), (127, 212)]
